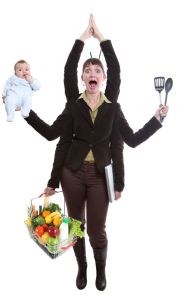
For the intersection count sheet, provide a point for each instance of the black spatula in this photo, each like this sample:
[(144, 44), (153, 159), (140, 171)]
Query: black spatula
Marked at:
[(159, 86)]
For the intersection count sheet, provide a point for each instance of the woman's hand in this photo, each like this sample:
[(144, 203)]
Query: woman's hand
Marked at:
[(161, 112), (17, 108), (49, 191), (117, 195), (88, 32), (96, 33)]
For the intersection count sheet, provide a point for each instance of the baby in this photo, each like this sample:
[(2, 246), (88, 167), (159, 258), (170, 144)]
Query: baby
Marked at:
[(18, 90)]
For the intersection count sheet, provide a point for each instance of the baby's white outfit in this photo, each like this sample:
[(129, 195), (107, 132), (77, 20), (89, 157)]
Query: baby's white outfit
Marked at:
[(18, 93)]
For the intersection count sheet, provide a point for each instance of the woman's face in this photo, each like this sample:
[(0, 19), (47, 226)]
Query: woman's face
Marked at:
[(93, 77)]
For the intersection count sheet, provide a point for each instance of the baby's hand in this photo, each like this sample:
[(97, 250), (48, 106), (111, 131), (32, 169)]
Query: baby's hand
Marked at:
[(28, 78)]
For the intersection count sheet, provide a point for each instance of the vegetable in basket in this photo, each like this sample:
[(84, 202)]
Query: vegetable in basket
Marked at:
[(52, 207), (51, 229), (38, 221)]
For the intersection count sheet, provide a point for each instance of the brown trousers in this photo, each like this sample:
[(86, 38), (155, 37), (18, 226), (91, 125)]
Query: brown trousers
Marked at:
[(86, 197)]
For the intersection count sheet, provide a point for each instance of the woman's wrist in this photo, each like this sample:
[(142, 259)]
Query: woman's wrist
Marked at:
[(82, 38), (157, 117), (101, 38)]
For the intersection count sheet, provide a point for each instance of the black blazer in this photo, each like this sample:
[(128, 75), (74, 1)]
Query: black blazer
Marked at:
[(111, 92), (87, 135), (72, 92)]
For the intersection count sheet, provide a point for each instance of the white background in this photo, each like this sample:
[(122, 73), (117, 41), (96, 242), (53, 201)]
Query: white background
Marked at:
[(146, 228)]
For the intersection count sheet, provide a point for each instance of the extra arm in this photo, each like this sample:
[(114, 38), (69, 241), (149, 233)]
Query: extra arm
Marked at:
[(60, 156), (70, 72), (50, 132), (59, 159), (116, 147), (113, 71), (113, 68), (133, 139)]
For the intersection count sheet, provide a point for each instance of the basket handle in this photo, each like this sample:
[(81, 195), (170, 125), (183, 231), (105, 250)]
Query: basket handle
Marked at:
[(50, 196), (68, 246)]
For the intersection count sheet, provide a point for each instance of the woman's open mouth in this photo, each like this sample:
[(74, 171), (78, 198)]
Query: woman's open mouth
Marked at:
[(93, 83)]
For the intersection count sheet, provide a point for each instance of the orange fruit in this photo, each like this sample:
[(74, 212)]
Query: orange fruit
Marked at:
[(45, 213)]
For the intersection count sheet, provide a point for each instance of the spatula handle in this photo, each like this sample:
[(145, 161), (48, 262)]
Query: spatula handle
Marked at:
[(161, 118)]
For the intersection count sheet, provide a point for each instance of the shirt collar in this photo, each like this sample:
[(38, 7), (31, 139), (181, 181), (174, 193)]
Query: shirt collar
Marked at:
[(102, 97)]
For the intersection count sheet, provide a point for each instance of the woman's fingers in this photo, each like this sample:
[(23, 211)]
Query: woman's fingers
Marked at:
[(164, 111), (49, 191)]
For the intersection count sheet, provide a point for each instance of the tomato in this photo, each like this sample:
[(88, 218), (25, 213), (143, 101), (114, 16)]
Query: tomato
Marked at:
[(45, 226), (39, 230)]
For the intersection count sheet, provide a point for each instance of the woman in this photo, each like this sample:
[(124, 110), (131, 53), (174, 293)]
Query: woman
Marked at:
[(94, 136), (116, 141), (71, 90)]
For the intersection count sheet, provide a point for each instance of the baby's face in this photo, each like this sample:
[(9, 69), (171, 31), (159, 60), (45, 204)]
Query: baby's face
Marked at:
[(22, 70)]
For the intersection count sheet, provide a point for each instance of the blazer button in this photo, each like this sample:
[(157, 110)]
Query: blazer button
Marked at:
[(92, 131), (90, 145)]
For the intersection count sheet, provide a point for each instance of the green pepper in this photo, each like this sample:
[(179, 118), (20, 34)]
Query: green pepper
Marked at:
[(39, 221)]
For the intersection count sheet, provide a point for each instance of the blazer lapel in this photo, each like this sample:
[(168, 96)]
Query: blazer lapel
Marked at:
[(102, 110), (84, 109)]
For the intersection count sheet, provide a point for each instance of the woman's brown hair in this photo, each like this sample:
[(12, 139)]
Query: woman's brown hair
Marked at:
[(93, 61)]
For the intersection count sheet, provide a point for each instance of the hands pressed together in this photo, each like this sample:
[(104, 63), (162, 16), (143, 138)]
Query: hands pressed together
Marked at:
[(92, 30)]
